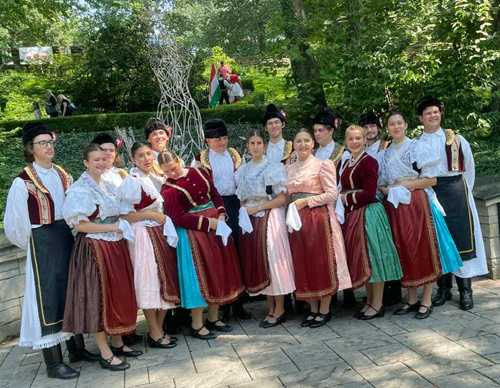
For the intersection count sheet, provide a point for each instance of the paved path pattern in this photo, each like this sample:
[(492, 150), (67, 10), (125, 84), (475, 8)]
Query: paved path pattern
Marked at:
[(452, 348)]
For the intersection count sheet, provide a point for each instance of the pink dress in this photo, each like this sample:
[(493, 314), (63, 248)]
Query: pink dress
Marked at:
[(133, 191), (276, 264), (315, 180)]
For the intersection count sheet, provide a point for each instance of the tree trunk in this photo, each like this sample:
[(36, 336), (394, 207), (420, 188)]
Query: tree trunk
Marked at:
[(495, 91), (305, 70)]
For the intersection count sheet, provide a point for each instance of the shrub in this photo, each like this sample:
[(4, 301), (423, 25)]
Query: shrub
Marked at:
[(234, 113)]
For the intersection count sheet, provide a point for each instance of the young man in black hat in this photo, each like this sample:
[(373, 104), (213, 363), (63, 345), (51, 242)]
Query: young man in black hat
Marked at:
[(221, 162), (34, 222), (325, 123), (372, 124), (454, 191), (278, 149)]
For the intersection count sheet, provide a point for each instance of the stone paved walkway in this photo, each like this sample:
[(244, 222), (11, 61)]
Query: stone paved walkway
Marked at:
[(452, 348)]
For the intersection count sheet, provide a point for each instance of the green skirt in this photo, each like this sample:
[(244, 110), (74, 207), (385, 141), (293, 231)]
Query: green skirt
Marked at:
[(384, 257)]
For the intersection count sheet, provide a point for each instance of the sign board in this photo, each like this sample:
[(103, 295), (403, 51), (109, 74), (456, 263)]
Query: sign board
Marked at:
[(36, 55)]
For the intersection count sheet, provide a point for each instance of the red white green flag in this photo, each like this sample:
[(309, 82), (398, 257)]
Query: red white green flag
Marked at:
[(215, 92)]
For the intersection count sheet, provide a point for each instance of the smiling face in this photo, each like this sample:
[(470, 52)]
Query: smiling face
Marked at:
[(143, 158), (43, 148), (397, 126), (431, 118), (303, 144), (355, 140), (275, 127), (371, 131), (110, 152), (218, 144), (158, 140), (323, 134), (256, 146), (96, 163), (172, 170)]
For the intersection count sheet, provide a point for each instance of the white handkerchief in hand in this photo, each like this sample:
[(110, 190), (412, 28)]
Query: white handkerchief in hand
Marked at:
[(245, 223), (170, 233), (340, 211), (399, 194), (126, 229), (223, 230), (293, 218)]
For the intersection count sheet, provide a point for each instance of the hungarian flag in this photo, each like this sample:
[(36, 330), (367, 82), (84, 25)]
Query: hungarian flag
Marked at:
[(215, 92)]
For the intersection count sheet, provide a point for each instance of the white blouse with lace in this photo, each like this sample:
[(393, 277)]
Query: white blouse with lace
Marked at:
[(82, 199), (252, 179)]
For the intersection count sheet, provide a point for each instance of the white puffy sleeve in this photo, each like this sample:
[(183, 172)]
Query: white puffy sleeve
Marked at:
[(427, 160), (238, 175), (129, 194), (470, 165), (383, 178), (275, 176), (78, 206), (17, 222)]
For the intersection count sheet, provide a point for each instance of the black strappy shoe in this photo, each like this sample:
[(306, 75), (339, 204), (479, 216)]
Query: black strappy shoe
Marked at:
[(307, 322), (411, 307), (107, 364), (279, 320), (324, 319), (379, 314), (426, 314), (120, 352), (158, 343), (195, 333)]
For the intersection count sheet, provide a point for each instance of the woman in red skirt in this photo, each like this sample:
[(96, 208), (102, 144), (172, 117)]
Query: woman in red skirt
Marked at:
[(100, 295), (209, 270), (318, 251)]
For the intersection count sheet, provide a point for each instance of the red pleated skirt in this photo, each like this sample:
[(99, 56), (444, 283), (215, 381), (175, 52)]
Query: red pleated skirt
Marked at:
[(100, 294), (166, 261), (217, 266), (314, 256), (356, 246), (415, 240), (253, 255)]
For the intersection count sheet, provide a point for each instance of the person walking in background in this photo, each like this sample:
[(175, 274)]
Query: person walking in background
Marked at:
[(36, 110), (236, 91), (65, 105), (51, 104), (223, 70), (224, 90)]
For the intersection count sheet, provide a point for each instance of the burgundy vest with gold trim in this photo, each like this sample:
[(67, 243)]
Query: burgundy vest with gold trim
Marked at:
[(40, 202)]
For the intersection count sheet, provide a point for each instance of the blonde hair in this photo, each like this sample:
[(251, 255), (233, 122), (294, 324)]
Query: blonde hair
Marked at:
[(355, 127), (167, 156), (61, 97)]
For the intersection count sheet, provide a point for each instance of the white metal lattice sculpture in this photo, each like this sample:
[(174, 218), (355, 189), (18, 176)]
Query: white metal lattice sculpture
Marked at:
[(171, 66)]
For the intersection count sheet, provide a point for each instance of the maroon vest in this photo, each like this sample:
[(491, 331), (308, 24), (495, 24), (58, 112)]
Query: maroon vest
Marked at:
[(40, 202)]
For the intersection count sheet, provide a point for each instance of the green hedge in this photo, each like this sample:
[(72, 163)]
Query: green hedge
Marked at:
[(233, 113)]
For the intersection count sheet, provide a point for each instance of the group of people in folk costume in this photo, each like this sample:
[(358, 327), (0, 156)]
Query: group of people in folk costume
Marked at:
[(293, 220)]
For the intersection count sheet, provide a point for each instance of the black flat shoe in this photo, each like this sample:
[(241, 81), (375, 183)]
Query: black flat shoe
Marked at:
[(428, 311), (196, 334), (158, 343), (411, 307), (263, 322), (171, 337), (120, 352), (307, 322), (443, 295), (279, 320), (106, 364), (213, 326), (131, 339), (324, 319), (379, 314), (360, 313)]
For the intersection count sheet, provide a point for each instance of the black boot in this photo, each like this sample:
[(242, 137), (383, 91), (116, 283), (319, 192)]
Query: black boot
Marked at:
[(288, 304), (392, 293), (349, 299), (445, 283), (56, 368), (302, 307), (77, 351), (465, 289), (170, 323), (239, 311), (333, 303)]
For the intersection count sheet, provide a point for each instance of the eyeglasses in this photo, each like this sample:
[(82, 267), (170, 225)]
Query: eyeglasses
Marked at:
[(46, 143)]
